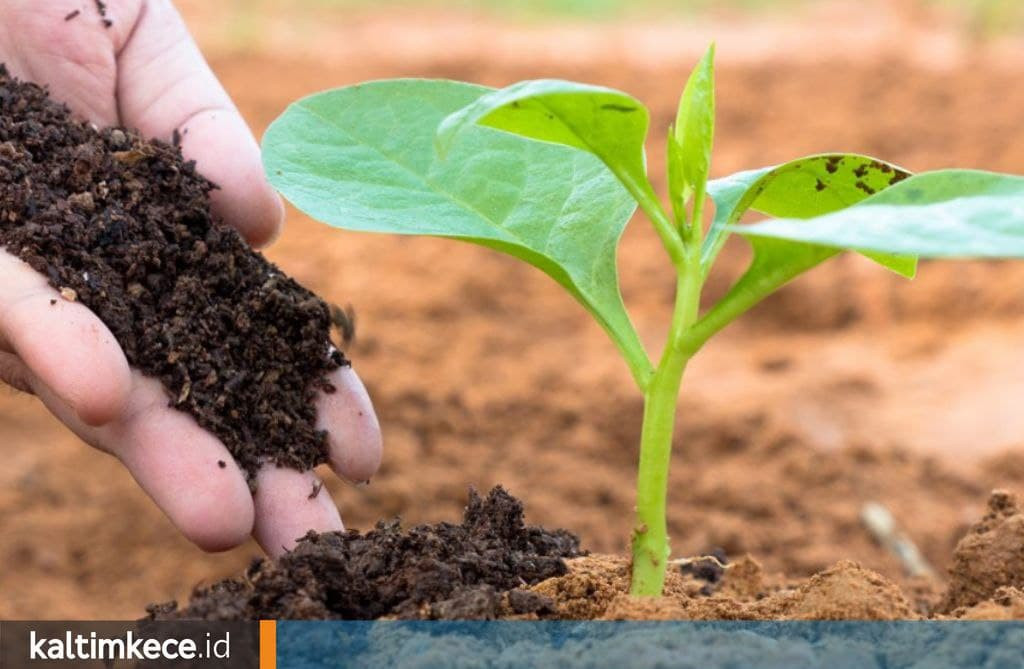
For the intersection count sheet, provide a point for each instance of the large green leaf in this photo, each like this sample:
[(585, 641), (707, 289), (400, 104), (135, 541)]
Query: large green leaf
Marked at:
[(943, 214), (363, 158), (608, 123), (803, 188), (692, 135)]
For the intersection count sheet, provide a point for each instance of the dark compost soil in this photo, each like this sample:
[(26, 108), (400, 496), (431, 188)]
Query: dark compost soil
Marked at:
[(445, 571), (494, 566), (124, 226)]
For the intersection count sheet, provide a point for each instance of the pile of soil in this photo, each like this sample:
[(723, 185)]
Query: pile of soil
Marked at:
[(442, 572), (124, 226), (493, 566)]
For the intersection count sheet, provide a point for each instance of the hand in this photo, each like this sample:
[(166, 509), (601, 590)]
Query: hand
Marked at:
[(144, 71)]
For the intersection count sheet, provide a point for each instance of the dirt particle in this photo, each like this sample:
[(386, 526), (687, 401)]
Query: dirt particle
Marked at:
[(317, 487), (345, 322), (522, 601), (710, 567), (53, 302), (83, 201), (101, 8), (72, 15), (69, 294), (222, 464)]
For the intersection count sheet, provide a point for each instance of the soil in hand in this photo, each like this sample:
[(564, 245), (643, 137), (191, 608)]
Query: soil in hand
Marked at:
[(124, 226), (473, 570)]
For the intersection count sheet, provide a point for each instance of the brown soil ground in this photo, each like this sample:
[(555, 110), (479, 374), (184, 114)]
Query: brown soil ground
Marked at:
[(849, 387)]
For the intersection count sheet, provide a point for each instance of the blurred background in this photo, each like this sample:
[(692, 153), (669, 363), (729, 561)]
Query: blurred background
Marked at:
[(849, 386)]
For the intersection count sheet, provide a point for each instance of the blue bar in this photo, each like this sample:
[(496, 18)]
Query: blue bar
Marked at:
[(689, 645)]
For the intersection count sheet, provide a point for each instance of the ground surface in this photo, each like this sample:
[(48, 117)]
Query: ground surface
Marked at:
[(849, 387)]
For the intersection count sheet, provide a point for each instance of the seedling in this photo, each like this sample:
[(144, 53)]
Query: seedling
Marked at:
[(551, 172)]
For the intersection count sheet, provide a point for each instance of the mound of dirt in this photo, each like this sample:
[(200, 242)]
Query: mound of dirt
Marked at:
[(124, 226), (596, 588), (441, 571), (988, 563)]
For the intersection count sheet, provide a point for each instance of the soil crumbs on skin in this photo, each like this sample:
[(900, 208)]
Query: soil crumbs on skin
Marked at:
[(474, 570), (124, 226)]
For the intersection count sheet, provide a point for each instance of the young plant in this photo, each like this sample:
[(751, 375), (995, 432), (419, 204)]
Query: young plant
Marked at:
[(551, 172)]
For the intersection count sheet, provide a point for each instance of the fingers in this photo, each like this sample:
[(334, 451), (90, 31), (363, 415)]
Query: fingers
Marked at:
[(353, 433), (13, 372), (184, 469), (164, 85), (288, 504), (63, 343)]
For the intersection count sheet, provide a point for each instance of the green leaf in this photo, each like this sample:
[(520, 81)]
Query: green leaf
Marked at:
[(362, 158), (942, 214), (803, 188), (692, 135), (608, 123)]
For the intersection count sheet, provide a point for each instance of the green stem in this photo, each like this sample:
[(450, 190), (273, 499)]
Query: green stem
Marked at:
[(650, 535)]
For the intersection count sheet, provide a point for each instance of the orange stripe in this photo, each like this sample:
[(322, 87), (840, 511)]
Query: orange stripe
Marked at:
[(268, 644)]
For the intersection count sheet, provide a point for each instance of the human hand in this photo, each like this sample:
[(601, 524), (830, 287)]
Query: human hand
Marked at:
[(144, 71)]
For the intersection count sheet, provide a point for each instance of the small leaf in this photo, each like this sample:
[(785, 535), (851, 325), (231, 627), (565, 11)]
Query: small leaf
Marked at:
[(941, 214), (803, 188), (362, 158), (693, 134), (608, 123)]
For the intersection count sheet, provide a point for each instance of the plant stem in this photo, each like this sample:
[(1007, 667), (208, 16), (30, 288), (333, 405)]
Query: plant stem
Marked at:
[(650, 535)]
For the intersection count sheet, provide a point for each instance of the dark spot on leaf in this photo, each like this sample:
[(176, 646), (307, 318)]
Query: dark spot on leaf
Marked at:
[(820, 186), (898, 177), (832, 164), (860, 171), (913, 194), (864, 187), (625, 109)]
